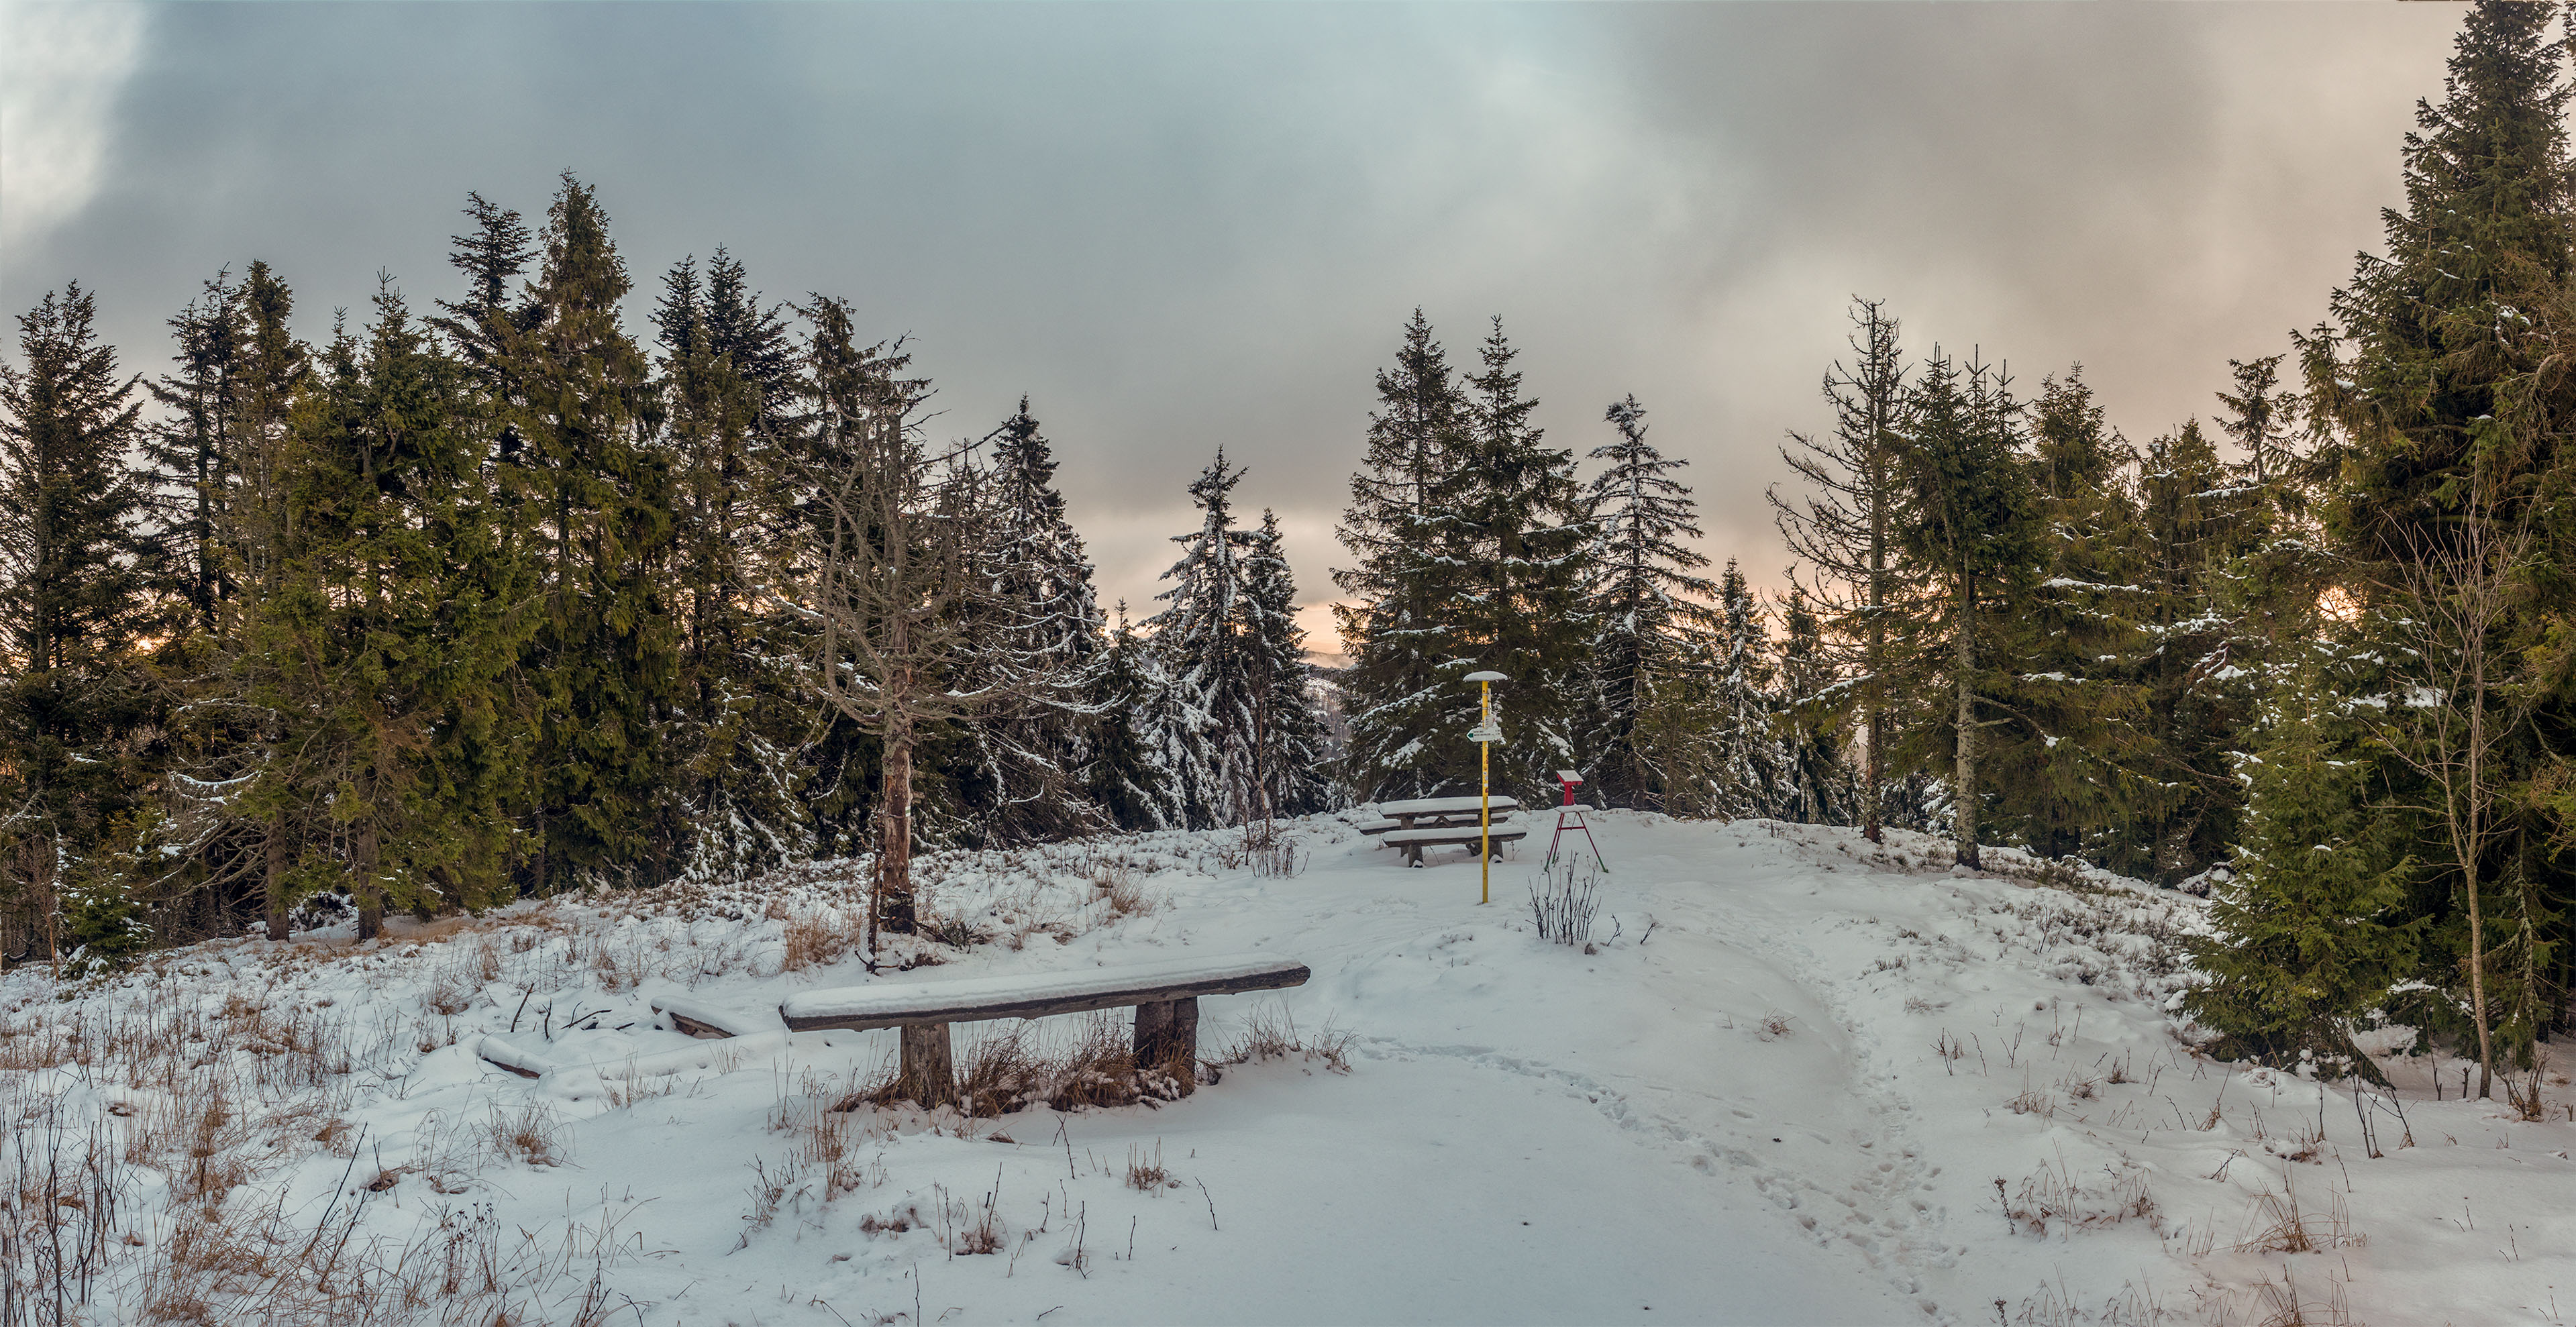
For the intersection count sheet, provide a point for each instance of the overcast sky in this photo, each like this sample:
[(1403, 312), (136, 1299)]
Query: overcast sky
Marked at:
[(1176, 227)]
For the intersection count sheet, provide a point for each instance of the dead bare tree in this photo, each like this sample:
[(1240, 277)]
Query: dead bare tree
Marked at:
[(2454, 592), (898, 616)]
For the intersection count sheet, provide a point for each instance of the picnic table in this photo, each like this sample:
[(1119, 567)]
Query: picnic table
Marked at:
[(1424, 822)]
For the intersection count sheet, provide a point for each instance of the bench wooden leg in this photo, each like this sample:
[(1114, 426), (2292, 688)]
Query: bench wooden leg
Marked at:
[(1167, 1038), (925, 1071)]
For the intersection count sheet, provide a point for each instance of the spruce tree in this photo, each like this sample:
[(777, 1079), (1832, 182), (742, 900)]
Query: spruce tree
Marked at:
[(597, 498), (2435, 391), (384, 646), (1651, 616), (1524, 527), (1291, 749), (1201, 639), (1848, 532), (2310, 935), (1972, 537), (2197, 690), (1128, 776), (1409, 712), (2485, 231), (1752, 764), (73, 593), (1044, 624), (2069, 763), (191, 454), (240, 741), (737, 723), (1821, 784), (483, 325)]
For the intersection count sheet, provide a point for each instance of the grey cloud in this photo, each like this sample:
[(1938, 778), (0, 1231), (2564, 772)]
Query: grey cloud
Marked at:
[(1177, 227)]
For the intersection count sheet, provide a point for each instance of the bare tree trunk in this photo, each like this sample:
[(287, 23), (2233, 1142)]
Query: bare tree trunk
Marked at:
[(274, 887), (2472, 846), (371, 894), (894, 910), (1963, 811), (2478, 985), (1874, 700)]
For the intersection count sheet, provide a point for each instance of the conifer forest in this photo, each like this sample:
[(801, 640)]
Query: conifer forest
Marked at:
[(491, 595)]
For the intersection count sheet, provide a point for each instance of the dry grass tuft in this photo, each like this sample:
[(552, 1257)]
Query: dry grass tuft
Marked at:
[(1269, 1033), (1000, 1072), (1098, 1068), (2278, 1223), (815, 939), (1148, 1176), (2054, 1196), (1122, 892), (531, 1135)]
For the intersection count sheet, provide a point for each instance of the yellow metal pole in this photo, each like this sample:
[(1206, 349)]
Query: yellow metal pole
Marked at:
[(1485, 802)]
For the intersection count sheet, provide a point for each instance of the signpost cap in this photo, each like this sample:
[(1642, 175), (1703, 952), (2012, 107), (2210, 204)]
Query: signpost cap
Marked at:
[(1568, 777), (1489, 675)]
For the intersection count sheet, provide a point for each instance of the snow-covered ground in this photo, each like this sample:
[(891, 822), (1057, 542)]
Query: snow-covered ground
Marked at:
[(1795, 1080)]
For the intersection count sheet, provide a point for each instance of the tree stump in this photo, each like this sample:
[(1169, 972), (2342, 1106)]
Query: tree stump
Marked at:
[(1167, 1039), (925, 1072)]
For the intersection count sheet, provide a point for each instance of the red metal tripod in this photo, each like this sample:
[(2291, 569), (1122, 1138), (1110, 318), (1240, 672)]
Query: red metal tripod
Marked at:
[(1570, 816)]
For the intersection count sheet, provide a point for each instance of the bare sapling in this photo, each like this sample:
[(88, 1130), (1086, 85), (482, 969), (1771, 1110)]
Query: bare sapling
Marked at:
[(1564, 898), (2454, 595)]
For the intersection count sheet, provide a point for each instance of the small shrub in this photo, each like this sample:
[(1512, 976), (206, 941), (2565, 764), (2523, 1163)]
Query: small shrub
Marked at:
[(954, 932), (2523, 1092), (1564, 898)]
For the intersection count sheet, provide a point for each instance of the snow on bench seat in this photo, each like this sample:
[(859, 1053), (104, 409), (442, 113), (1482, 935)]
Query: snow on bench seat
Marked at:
[(1039, 994), (1166, 996), (700, 1019), (1443, 806)]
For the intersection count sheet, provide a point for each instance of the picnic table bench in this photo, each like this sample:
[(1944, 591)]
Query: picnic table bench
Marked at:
[(1411, 842), (1166, 997)]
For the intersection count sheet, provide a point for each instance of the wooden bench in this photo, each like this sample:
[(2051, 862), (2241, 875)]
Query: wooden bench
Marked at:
[(1166, 997), (1411, 842)]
